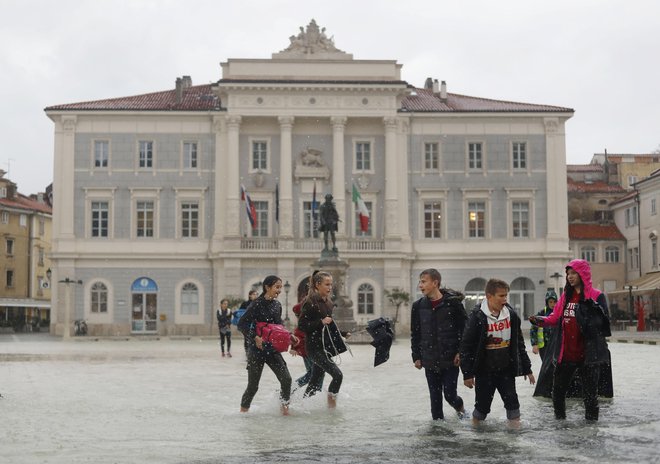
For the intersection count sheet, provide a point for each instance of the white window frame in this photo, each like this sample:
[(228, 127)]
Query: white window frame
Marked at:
[(99, 318), (153, 155), (184, 167), (438, 146), (269, 156), (190, 195), (633, 257), (516, 195), (653, 207), (367, 198), (467, 156), (180, 318), (426, 196), (96, 195), (612, 251), (513, 144), (591, 250), (147, 194), (372, 151), (314, 233), (23, 220), (362, 319), (654, 254), (473, 196), (108, 146), (265, 197), (5, 217)]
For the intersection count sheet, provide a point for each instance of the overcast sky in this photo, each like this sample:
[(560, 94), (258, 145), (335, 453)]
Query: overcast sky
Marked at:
[(598, 57)]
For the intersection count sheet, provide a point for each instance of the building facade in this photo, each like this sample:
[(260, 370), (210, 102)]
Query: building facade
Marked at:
[(25, 231), (150, 192)]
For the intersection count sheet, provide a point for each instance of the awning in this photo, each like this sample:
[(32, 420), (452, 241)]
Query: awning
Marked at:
[(24, 303), (644, 284)]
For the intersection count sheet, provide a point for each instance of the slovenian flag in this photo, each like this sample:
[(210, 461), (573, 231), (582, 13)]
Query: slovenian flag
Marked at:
[(361, 209), (249, 207)]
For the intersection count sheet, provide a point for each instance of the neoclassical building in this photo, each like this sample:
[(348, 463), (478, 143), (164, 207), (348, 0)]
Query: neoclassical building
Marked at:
[(148, 208)]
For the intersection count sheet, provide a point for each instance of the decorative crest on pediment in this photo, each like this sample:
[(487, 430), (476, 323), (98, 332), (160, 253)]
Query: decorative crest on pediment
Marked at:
[(312, 42)]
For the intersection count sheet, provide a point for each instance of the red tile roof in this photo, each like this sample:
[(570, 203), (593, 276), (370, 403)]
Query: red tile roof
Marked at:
[(584, 168), (195, 98), (594, 187), (427, 101), (27, 204), (594, 232), (202, 98)]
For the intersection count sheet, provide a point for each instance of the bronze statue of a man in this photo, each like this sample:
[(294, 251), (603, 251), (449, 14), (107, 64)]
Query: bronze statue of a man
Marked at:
[(328, 220)]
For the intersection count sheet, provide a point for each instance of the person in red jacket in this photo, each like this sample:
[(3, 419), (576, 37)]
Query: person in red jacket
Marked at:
[(583, 323)]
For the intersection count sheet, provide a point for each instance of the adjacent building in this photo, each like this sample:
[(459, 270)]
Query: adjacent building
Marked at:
[(151, 191)]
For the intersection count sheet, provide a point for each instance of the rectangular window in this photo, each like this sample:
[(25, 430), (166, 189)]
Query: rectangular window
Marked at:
[(40, 254), (520, 216), (632, 180), (476, 219), (431, 156), (259, 155), (9, 278), (42, 227), (475, 155), (588, 253), (519, 155), (310, 221), (612, 254), (633, 257), (654, 254), (653, 210), (190, 155), (432, 219), (22, 220), (261, 208), (10, 246), (358, 228), (146, 155), (5, 217), (363, 156), (144, 218), (101, 153), (190, 219), (100, 218)]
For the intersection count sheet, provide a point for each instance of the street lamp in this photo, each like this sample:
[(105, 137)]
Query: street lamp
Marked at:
[(556, 276), (630, 289), (287, 288), (67, 304)]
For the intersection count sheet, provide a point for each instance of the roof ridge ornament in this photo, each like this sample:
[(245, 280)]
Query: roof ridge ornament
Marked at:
[(312, 42)]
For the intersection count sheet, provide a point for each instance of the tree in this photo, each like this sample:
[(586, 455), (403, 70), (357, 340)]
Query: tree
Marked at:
[(234, 301), (397, 297)]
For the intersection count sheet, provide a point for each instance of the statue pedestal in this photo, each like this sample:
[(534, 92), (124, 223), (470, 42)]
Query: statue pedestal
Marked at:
[(343, 312)]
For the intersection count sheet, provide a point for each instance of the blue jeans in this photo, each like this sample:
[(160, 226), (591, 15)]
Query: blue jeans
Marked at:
[(439, 381), (304, 379)]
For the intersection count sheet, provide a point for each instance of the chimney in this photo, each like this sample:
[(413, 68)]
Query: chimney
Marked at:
[(178, 86), (429, 83), (443, 91), (436, 86), (186, 82)]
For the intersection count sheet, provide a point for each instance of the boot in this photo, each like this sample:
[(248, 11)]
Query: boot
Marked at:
[(560, 408), (591, 413)]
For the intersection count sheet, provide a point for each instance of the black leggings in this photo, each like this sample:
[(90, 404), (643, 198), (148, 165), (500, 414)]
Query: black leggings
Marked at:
[(224, 336), (589, 374), (255, 366), (322, 364)]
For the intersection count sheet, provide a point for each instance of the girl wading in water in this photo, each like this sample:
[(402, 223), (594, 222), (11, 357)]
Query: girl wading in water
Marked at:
[(316, 314), (265, 308)]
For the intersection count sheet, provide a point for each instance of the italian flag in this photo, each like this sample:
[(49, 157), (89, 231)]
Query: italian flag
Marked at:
[(362, 210)]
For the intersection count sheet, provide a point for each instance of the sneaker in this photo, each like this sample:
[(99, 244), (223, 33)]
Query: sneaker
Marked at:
[(463, 414)]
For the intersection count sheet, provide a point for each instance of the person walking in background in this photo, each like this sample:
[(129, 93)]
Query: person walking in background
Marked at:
[(437, 323), (493, 353), (539, 337), (223, 315), (316, 315), (252, 295), (265, 308), (582, 318)]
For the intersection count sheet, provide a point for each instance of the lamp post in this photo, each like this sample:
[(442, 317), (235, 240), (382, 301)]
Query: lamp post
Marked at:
[(556, 276), (67, 303), (631, 308), (287, 288)]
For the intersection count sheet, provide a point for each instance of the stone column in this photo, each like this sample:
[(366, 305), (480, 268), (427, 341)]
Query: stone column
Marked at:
[(391, 179), (338, 172), (556, 184), (220, 193), (286, 178), (231, 178)]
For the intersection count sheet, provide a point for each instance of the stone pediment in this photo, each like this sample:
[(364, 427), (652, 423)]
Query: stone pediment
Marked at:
[(312, 43)]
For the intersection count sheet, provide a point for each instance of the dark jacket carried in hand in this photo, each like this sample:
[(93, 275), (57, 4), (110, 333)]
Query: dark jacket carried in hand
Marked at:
[(314, 310), (260, 310), (435, 334), (473, 346)]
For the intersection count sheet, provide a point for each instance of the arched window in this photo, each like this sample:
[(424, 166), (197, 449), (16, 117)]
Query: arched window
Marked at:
[(521, 296), (99, 298), (189, 299), (365, 299), (474, 291), (588, 253), (612, 254)]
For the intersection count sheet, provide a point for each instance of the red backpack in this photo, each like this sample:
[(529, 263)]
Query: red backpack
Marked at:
[(275, 334)]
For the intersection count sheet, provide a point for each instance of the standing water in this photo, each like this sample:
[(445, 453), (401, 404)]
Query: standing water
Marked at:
[(177, 402)]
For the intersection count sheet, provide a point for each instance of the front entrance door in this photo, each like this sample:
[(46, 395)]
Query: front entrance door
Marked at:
[(144, 306)]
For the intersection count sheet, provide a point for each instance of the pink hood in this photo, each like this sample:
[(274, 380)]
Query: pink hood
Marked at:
[(583, 268)]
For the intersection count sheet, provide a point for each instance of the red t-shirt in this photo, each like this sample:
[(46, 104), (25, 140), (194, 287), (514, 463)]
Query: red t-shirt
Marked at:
[(573, 343)]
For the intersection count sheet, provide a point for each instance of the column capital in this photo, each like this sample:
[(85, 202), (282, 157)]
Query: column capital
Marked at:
[(69, 122), (234, 121), (219, 123), (338, 121), (390, 123), (551, 125), (286, 121)]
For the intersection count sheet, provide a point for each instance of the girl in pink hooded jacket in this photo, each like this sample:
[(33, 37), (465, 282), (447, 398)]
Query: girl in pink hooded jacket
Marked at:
[(583, 323)]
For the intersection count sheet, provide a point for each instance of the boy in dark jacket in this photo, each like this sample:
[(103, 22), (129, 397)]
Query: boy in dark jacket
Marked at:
[(437, 323), (493, 353)]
